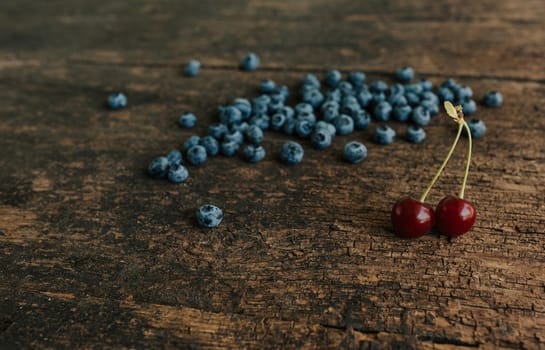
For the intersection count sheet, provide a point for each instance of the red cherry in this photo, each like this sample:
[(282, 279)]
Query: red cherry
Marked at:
[(455, 216), (412, 218)]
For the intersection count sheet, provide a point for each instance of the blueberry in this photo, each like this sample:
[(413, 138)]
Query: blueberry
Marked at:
[(229, 148), (303, 127), (346, 88), (192, 68), (463, 92), (283, 90), (477, 128), (190, 142), (431, 106), (275, 106), (174, 157), (420, 116), (384, 135), (289, 127), (187, 120), (402, 113), (493, 99), (430, 96), (244, 106), (378, 97), (267, 86), (209, 216), (277, 121), (158, 167), (362, 119), (330, 114), (327, 126), (249, 62), (415, 134), (445, 94), (239, 127), (321, 138), (469, 107), (426, 84), (412, 98), (333, 95), (333, 77), (313, 97), (258, 109), (177, 173), (382, 111), (234, 136), (405, 74), (287, 111), (378, 86), (354, 152), (211, 145), (262, 121), (230, 115), (310, 117), (303, 108), (344, 125), (357, 78), (254, 134), (253, 153), (312, 80), (196, 155), (414, 88), (397, 100), (291, 153), (364, 98), (117, 100), (449, 83), (349, 100), (217, 130), (396, 89)]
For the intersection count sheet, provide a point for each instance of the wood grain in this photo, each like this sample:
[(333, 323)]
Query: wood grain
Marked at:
[(95, 254)]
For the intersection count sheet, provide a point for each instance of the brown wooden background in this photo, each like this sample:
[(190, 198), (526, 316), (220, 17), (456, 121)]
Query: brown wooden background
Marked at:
[(95, 254)]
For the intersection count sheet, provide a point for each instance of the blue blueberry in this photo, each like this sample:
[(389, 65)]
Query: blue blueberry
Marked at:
[(158, 167), (384, 135), (361, 119), (378, 97), (357, 78), (396, 89), (350, 109), (415, 134), (414, 88), (291, 153), (187, 120), (313, 97), (402, 113), (345, 88), (413, 99), (192, 68), (249, 62), (211, 145), (174, 157), (469, 107), (287, 111), (239, 127), (303, 108), (378, 86), (117, 100), (477, 128), (177, 173), (262, 121), (254, 134), (429, 95), (449, 83), (196, 155), (327, 126), (229, 148), (267, 86), (344, 124), (277, 121), (283, 90), (321, 138), (289, 127), (463, 92), (431, 106), (426, 84), (445, 94), (190, 142), (230, 115), (235, 136), (333, 77), (397, 100), (333, 95), (365, 97), (244, 106), (312, 80), (493, 99), (420, 116), (310, 117), (405, 74), (354, 152), (253, 153), (382, 111), (209, 216), (217, 130), (330, 114), (303, 127), (275, 106)]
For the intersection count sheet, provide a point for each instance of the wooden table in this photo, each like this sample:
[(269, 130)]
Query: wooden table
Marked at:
[(95, 254)]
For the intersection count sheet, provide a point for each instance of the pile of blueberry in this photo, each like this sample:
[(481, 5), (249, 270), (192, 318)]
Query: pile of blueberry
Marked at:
[(324, 110)]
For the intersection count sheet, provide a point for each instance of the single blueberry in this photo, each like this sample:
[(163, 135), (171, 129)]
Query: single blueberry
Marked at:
[(229, 148), (382, 111), (211, 145), (333, 77), (321, 138), (396, 89), (426, 84), (354, 152), (378, 97), (445, 94), (415, 134), (275, 106), (310, 117), (289, 127), (493, 99), (431, 106), (187, 120), (397, 100), (344, 124), (420, 116), (217, 130), (303, 108), (449, 83), (322, 124), (402, 113), (333, 95), (249, 62), (303, 127), (429, 95), (477, 128), (362, 119), (239, 127), (313, 97), (262, 121), (414, 88), (196, 155), (177, 173), (412, 98), (230, 115), (158, 167), (291, 153), (384, 135), (346, 88), (357, 78), (253, 153), (244, 106), (330, 114), (469, 107), (463, 92), (234, 136), (192, 68), (405, 74), (378, 86), (117, 100), (277, 121), (190, 142), (312, 80), (209, 216), (287, 111), (254, 134), (174, 157), (267, 86), (365, 97), (284, 90)]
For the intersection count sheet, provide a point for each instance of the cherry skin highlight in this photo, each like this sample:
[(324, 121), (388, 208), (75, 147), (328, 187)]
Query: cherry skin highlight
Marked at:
[(455, 216), (412, 218)]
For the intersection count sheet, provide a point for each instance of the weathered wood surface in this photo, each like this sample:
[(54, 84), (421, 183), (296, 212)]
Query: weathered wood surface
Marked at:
[(94, 254)]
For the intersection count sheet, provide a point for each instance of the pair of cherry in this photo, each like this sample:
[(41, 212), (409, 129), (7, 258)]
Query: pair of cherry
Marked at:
[(454, 216)]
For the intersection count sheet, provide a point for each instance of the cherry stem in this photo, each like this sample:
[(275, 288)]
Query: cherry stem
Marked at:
[(461, 195), (461, 124)]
